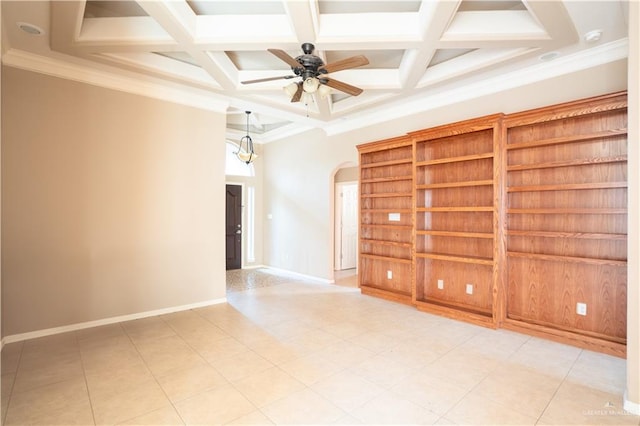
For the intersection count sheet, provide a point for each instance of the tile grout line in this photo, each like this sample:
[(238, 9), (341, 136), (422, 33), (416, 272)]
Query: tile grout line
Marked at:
[(482, 380), (559, 386), (13, 383), (155, 379), (84, 376)]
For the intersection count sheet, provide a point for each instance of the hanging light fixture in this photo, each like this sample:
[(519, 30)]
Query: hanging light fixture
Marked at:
[(247, 155)]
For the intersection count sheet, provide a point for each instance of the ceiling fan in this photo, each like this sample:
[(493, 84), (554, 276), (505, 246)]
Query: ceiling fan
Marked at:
[(313, 72)]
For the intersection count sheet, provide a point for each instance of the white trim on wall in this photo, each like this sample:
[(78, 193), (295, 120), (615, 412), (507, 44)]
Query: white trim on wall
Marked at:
[(299, 275), (106, 321), (90, 75), (630, 406)]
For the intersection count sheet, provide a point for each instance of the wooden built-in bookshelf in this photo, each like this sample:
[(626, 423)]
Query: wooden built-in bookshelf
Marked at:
[(566, 222), (526, 210), (456, 219), (386, 219)]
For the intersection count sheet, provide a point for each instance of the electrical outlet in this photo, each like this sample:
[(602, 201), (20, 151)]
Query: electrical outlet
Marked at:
[(440, 284), (389, 274), (581, 309), (469, 288)]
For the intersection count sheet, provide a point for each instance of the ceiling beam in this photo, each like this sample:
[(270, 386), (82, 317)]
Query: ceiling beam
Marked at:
[(179, 20), (434, 18), (301, 19)]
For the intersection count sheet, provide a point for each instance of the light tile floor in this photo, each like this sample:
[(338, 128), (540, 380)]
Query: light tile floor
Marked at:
[(291, 351)]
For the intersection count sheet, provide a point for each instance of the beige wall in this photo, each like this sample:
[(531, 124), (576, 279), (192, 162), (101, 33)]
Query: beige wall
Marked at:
[(633, 305), (347, 174), (110, 203), (299, 198)]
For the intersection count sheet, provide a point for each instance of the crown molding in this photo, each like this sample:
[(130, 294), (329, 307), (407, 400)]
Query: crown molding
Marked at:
[(113, 79), (584, 59)]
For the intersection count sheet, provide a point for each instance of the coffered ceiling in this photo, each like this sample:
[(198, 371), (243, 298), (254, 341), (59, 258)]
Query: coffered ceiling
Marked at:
[(204, 49)]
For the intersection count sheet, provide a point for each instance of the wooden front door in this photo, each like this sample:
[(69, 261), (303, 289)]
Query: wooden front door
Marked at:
[(233, 233)]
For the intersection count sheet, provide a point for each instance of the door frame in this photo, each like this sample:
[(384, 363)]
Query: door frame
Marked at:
[(242, 218), (337, 223)]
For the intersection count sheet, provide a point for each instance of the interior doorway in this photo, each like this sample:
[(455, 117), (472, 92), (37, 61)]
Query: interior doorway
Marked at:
[(233, 232), (346, 223)]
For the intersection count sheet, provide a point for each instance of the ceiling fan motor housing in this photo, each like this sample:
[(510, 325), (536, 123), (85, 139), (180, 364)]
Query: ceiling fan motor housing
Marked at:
[(310, 64)]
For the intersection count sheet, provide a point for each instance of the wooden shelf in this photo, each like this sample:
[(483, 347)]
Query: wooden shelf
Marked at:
[(387, 226), (387, 258), (567, 211), (385, 243), (454, 258), (561, 334), (566, 329), (455, 234), (458, 306), (486, 182), (456, 312), (580, 162), (581, 235), (571, 259), (567, 187), (454, 159), (566, 139), (387, 195), (386, 179), (395, 296), (455, 209), (386, 163), (386, 210)]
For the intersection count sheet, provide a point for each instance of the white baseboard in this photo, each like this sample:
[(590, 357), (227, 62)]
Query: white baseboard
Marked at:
[(630, 406), (106, 321), (254, 266), (297, 274)]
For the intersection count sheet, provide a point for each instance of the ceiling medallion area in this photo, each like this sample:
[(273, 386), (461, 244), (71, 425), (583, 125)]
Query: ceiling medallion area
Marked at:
[(313, 73)]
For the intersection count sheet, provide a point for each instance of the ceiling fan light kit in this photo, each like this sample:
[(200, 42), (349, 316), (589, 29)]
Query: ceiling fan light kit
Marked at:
[(291, 89), (310, 85), (313, 71), (324, 91)]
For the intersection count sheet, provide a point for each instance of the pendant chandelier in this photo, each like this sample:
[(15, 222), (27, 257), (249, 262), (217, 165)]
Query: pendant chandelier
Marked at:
[(246, 155)]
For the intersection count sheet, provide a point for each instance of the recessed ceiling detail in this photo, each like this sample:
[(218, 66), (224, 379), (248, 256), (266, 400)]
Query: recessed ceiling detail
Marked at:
[(112, 9), (179, 56), (355, 7), (237, 7), (414, 48), (444, 55), (467, 5)]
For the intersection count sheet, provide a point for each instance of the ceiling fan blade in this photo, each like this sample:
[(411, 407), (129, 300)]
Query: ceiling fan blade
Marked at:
[(281, 54), (260, 80), (352, 62), (296, 97), (343, 87)]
